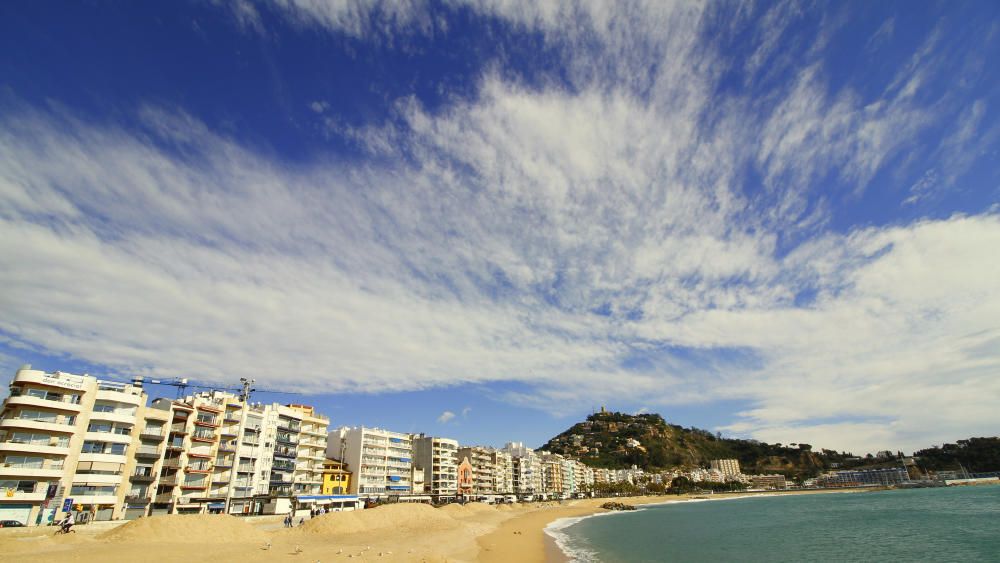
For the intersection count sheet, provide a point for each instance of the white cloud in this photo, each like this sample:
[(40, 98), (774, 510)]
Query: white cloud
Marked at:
[(543, 234), (466, 411), (445, 417)]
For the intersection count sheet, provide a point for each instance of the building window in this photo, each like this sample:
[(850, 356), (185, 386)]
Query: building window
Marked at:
[(19, 486), (93, 490), (24, 462)]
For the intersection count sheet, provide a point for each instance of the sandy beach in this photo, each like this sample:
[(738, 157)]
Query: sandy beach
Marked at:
[(475, 532)]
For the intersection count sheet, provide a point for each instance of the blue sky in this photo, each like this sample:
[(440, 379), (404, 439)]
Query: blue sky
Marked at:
[(483, 220)]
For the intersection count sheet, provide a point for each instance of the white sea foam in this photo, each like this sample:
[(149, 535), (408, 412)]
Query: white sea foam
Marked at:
[(572, 548)]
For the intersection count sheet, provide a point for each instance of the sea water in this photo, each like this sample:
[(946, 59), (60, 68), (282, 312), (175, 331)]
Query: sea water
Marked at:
[(940, 524)]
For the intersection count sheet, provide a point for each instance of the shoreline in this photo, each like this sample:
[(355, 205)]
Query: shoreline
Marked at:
[(475, 532), (530, 536)]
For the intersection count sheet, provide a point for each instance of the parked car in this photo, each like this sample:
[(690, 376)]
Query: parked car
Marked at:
[(10, 524)]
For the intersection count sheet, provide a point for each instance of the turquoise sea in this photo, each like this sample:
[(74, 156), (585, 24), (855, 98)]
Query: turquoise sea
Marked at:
[(942, 524)]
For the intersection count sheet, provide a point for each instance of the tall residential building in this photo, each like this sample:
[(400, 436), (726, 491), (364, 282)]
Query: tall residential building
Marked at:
[(197, 467), (503, 472), (552, 474), (527, 469), (728, 467), (439, 459), (483, 469), (243, 433), (65, 436), (308, 476), (148, 459), (383, 459), (296, 440)]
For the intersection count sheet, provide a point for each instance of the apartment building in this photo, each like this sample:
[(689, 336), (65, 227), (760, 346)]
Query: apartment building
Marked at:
[(252, 457), (383, 460), (439, 459), (307, 478), (65, 442), (483, 469), (552, 474), (142, 480), (527, 477), (197, 466), (728, 467), (503, 472)]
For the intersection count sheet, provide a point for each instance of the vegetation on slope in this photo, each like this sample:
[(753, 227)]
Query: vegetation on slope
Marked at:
[(608, 439)]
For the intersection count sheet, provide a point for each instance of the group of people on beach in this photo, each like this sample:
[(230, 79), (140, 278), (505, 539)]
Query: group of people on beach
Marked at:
[(313, 512)]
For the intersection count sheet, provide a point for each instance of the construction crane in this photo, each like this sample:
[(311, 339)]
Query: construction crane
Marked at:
[(182, 384)]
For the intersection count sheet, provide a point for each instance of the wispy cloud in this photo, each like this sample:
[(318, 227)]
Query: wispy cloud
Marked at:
[(604, 227)]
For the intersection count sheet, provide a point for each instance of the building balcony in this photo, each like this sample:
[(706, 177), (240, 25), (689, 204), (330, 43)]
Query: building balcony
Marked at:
[(137, 500), (203, 438), (195, 486), (123, 417), (63, 404), (143, 477), (108, 437), (178, 428), (168, 481), (33, 448), (157, 435), (145, 452), (172, 462), (119, 397), (163, 497), (94, 499), (206, 423), (198, 469), (57, 379), (33, 424), (209, 408), (103, 457), (8, 470)]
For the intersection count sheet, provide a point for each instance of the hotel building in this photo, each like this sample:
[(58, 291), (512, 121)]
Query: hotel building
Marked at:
[(728, 467)]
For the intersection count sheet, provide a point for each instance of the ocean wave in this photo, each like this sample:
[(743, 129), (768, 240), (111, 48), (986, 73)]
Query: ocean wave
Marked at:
[(575, 550)]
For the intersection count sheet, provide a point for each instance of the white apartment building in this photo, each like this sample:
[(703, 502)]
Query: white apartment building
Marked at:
[(728, 467), (503, 472), (66, 439), (527, 476), (295, 437), (382, 460), (439, 459), (313, 429), (94, 446)]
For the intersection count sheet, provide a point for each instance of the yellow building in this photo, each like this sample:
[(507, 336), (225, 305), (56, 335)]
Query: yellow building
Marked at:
[(336, 478)]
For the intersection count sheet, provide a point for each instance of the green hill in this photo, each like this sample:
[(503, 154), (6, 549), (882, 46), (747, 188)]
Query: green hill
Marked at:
[(603, 440)]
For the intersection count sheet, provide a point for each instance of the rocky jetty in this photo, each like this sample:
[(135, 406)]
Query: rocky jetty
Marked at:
[(617, 506)]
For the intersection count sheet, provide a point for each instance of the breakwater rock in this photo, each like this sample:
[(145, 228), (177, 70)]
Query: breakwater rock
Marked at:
[(617, 506)]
